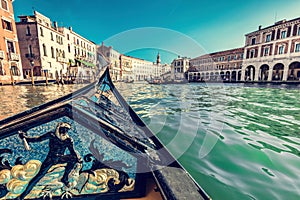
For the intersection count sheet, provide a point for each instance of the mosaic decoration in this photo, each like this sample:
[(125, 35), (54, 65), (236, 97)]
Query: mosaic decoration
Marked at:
[(63, 159)]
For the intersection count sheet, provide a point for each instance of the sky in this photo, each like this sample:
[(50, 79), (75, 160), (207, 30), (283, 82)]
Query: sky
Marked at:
[(142, 28)]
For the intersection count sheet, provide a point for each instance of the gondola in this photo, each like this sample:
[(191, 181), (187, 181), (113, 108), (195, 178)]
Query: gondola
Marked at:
[(88, 145)]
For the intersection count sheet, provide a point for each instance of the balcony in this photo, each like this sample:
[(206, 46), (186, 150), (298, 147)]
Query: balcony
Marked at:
[(62, 60), (14, 57), (2, 55)]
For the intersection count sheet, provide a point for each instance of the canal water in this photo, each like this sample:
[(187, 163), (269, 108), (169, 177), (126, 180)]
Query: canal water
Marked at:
[(237, 141)]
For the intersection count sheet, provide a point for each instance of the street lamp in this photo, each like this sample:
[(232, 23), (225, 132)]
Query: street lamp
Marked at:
[(31, 69)]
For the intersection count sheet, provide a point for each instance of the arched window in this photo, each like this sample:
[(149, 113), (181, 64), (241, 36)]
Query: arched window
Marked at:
[(15, 71), (51, 36)]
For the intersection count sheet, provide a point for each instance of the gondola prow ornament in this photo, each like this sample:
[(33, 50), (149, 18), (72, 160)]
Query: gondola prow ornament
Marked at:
[(26, 145)]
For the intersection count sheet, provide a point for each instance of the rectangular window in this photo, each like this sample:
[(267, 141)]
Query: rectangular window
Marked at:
[(30, 49), (28, 33), (10, 47), (281, 50), (252, 53), (268, 38), (297, 49), (45, 50), (283, 34), (6, 25), (298, 30), (253, 41), (266, 51), (4, 4)]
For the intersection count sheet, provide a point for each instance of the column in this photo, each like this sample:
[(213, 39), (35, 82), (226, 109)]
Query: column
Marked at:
[(270, 73), (243, 73), (285, 72)]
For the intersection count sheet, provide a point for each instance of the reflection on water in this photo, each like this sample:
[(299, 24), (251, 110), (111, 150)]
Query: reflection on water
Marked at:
[(15, 99), (238, 142), (247, 139)]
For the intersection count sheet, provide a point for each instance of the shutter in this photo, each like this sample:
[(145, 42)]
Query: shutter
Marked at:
[(273, 35), (289, 31), (278, 34), (295, 30)]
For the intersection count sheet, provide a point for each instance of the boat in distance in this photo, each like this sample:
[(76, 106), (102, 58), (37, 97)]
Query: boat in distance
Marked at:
[(89, 144)]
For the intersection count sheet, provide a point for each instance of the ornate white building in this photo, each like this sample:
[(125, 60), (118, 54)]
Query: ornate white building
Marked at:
[(179, 67)]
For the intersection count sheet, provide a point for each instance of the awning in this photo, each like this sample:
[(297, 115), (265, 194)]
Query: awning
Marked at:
[(88, 64), (71, 61)]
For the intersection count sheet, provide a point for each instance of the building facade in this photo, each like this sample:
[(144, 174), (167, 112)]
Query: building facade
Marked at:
[(113, 58), (52, 51), (81, 55), (273, 53), (10, 62), (42, 47), (217, 66), (179, 67)]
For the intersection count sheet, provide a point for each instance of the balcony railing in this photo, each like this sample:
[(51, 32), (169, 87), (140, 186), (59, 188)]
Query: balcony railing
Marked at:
[(2, 55), (62, 60), (14, 57)]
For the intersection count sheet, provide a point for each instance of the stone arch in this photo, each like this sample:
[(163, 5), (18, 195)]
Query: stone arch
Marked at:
[(264, 72), (227, 76), (294, 71), (207, 76), (250, 73), (217, 76), (211, 76), (222, 75), (277, 74)]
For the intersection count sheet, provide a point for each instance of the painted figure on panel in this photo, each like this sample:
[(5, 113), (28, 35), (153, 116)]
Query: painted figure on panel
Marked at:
[(59, 141), (63, 172)]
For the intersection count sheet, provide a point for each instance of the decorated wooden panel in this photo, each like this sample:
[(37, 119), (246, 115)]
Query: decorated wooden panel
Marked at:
[(64, 159)]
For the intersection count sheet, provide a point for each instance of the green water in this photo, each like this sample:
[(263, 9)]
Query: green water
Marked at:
[(237, 142)]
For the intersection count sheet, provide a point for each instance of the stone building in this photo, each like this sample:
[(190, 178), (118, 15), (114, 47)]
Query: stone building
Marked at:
[(179, 67), (81, 55), (113, 57), (10, 63), (42, 47), (217, 66), (273, 53), (56, 52)]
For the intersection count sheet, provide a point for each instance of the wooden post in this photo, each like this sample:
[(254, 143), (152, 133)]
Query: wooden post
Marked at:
[(32, 78), (46, 77), (12, 78)]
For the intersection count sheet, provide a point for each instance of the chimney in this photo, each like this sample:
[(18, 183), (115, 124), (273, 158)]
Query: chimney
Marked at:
[(70, 28), (55, 25), (259, 28)]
